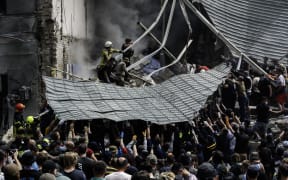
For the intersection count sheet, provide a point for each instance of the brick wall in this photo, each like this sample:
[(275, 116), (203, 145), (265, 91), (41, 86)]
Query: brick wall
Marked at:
[(55, 47)]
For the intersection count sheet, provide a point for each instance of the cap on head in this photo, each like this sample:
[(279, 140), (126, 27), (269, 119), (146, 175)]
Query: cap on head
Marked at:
[(108, 44)]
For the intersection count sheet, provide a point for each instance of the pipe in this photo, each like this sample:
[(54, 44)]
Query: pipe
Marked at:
[(52, 68), (174, 62), (223, 38), (137, 77), (156, 40), (163, 43), (150, 28), (185, 14)]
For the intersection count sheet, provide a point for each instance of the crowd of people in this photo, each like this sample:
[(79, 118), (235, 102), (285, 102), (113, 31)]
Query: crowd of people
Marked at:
[(216, 144)]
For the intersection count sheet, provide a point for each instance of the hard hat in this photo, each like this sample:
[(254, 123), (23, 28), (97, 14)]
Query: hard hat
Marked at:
[(108, 44), (29, 119), (20, 106)]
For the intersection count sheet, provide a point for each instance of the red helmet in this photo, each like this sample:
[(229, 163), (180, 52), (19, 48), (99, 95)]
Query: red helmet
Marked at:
[(20, 106)]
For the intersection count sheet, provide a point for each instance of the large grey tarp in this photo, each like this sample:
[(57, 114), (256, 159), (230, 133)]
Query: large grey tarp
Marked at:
[(257, 27), (174, 100)]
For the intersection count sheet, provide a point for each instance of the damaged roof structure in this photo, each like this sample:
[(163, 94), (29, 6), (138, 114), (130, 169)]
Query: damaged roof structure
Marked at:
[(251, 28), (258, 28), (175, 100)]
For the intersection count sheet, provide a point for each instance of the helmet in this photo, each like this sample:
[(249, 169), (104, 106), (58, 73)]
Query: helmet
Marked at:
[(20, 106), (108, 44), (29, 119)]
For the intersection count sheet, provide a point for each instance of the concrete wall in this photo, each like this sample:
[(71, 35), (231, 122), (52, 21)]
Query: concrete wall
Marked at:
[(70, 17), (62, 22)]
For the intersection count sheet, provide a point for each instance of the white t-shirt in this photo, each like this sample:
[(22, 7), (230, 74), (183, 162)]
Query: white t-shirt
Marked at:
[(281, 80), (118, 176)]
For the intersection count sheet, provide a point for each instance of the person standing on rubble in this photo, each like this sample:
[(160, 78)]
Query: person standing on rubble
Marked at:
[(129, 53), (106, 64)]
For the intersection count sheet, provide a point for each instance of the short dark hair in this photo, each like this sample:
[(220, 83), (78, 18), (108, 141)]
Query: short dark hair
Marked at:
[(82, 148), (99, 168)]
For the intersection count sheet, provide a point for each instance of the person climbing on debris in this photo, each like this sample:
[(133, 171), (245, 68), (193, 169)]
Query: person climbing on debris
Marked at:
[(129, 53), (105, 66)]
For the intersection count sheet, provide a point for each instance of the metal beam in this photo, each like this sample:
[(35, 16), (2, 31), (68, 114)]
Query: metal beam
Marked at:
[(223, 38), (156, 40), (70, 74)]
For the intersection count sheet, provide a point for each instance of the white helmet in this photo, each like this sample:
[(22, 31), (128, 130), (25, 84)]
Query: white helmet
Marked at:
[(108, 44)]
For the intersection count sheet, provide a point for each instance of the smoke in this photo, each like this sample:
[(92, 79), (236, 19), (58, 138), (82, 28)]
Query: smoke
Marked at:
[(115, 20), (80, 58)]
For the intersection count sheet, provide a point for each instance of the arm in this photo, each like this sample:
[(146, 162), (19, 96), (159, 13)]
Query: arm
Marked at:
[(71, 134), (171, 143), (221, 121), (195, 137), (236, 119), (17, 162), (135, 152), (86, 132), (228, 125), (131, 144), (93, 157), (122, 146), (145, 140), (208, 125), (116, 51)]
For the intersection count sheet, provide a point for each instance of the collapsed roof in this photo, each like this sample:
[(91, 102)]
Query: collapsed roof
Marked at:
[(175, 100), (257, 27)]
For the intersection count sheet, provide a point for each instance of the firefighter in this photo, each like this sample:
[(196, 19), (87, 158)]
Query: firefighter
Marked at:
[(30, 126), (129, 53), (19, 123), (106, 64)]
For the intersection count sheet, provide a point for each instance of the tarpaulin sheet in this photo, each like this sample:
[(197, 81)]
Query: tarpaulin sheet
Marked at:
[(258, 28), (174, 100)]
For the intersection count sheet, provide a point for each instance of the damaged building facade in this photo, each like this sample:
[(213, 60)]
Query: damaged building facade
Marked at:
[(34, 36)]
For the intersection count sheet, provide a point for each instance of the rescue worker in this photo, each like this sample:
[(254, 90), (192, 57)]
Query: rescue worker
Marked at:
[(106, 64), (30, 126), (120, 73), (19, 123), (129, 53)]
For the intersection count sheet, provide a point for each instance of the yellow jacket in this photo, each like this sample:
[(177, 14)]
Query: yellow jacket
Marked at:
[(107, 55)]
